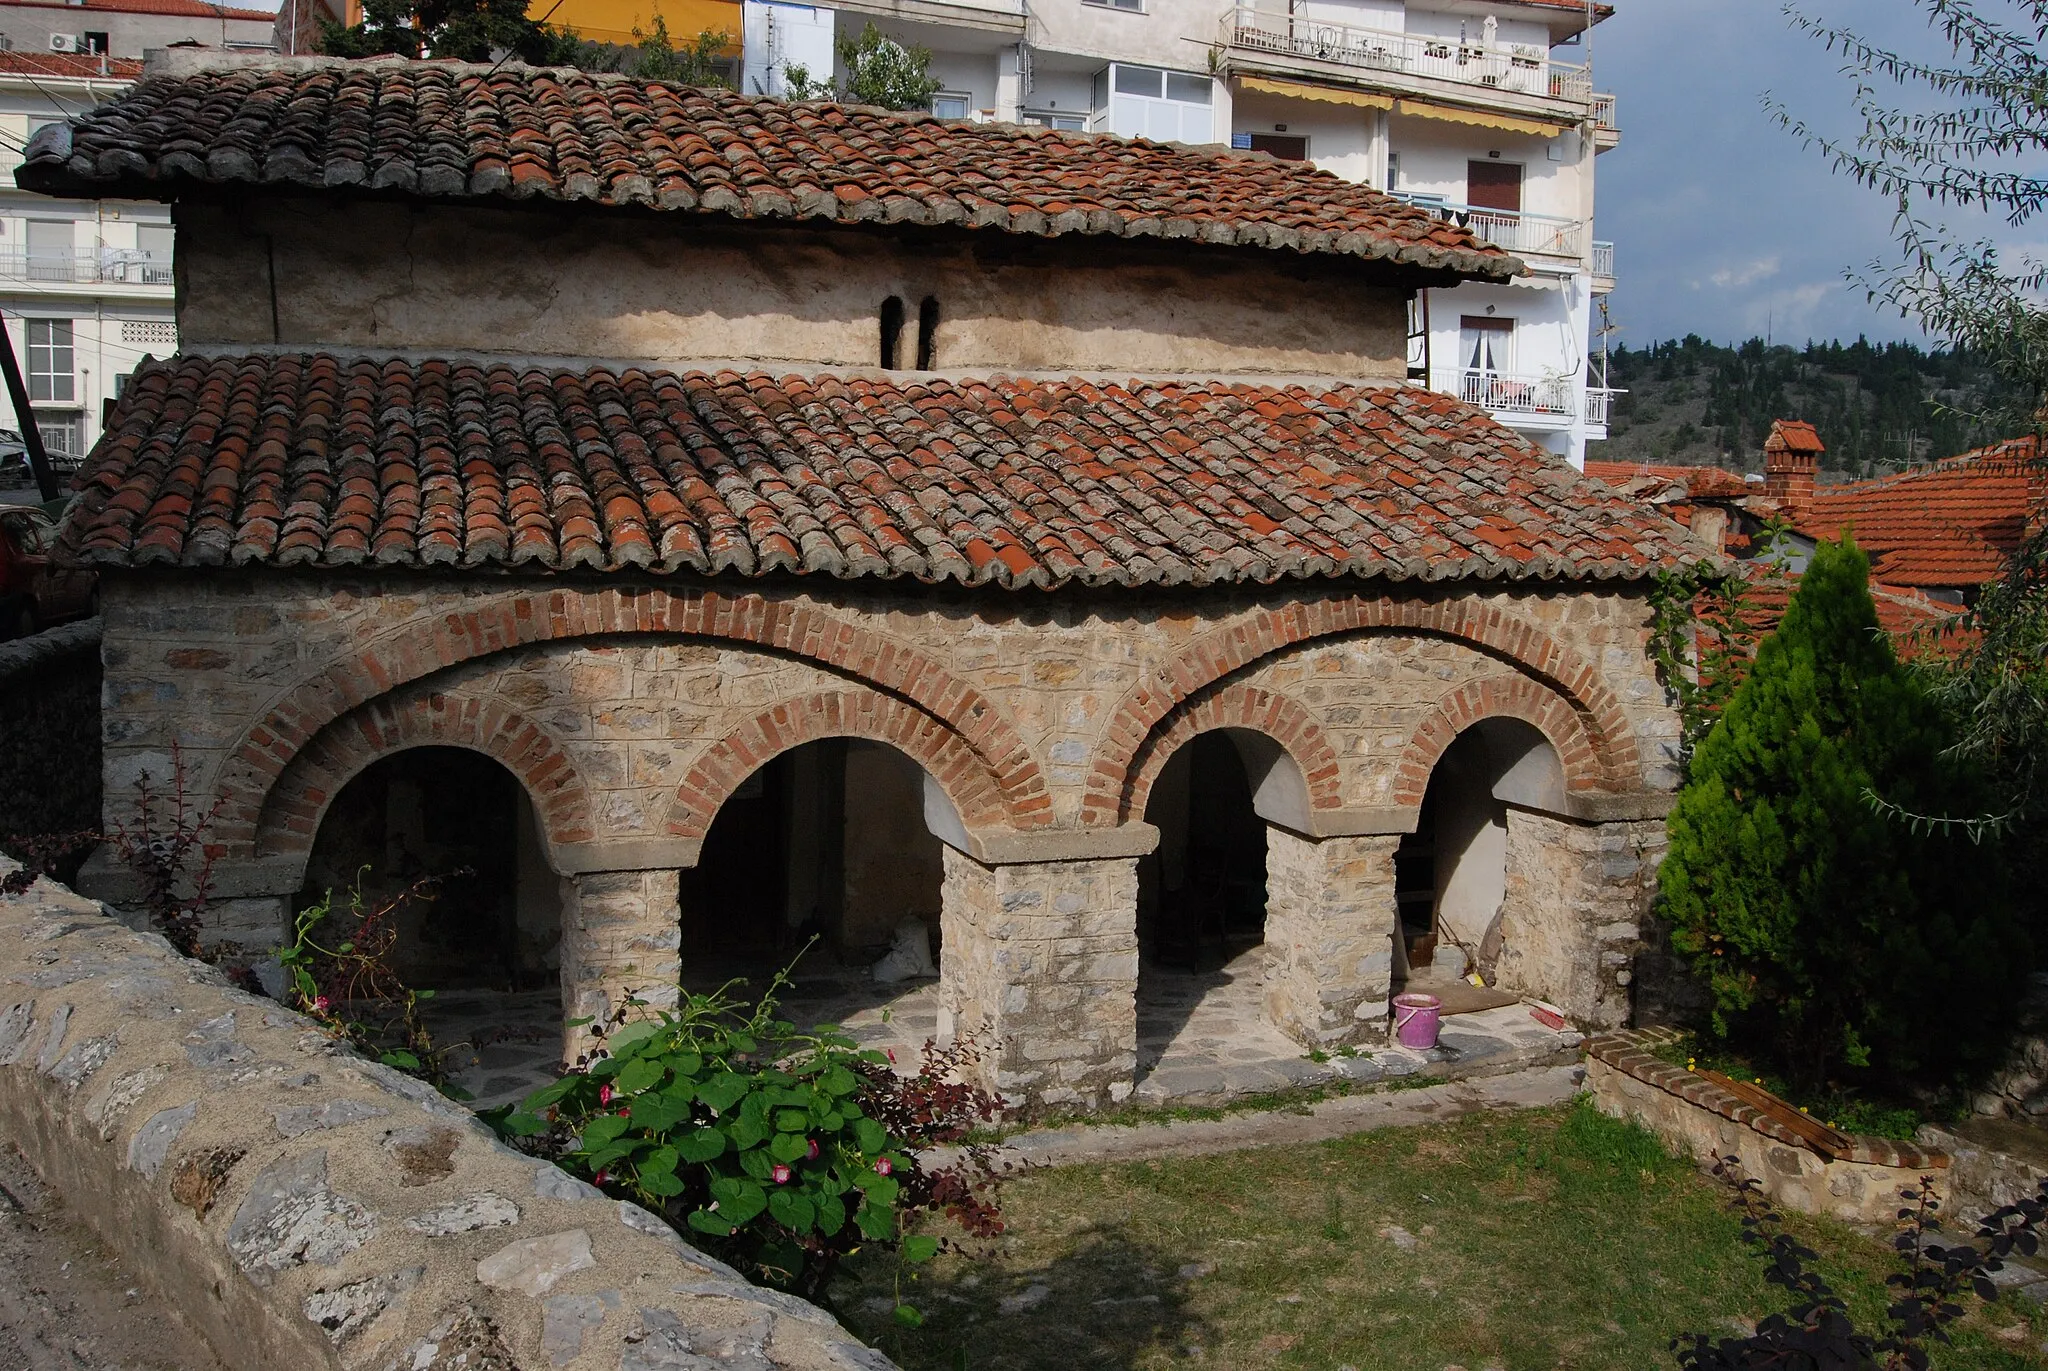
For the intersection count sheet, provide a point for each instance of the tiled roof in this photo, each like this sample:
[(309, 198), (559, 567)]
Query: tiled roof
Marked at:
[(1796, 435), (320, 461), (451, 131), (68, 66), (1698, 483), (186, 9), (1951, 523)]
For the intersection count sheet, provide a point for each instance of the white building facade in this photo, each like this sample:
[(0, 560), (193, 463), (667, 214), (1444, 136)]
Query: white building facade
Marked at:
[(85, 286), (1485, 111)]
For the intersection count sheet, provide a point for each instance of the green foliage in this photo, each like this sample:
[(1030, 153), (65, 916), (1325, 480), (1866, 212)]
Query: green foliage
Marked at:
[(702, 61), (461, 30), (1828, 935), (779, 1150), (875, 69), (1704, 631)]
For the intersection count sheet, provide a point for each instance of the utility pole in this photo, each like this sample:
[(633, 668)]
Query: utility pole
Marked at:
[(31, 436)]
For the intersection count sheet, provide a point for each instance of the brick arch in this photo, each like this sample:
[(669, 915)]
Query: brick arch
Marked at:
[(1511, 697), (1240, 706), (418, 648), (294, 807), (1226, 650), (969, 784)]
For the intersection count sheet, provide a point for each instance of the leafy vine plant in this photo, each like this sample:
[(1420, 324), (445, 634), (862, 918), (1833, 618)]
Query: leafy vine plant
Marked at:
[(782, 1151), (1705, 624)]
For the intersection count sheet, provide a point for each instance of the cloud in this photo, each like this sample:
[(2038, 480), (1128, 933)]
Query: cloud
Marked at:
[(1747, 274)]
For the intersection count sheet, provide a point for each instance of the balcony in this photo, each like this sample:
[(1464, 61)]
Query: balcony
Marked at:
[(1599, 400), (87, 267), (1412, 60), (1502, 393), (1518, 231)]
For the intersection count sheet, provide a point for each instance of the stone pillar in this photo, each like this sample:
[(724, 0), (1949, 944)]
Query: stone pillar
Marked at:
[(621, 931), (1330, 923), (1041, 966), (1571, 923)]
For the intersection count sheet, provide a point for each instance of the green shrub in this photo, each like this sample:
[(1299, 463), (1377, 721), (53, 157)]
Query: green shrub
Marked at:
[(777, 1150), (1829, 933)]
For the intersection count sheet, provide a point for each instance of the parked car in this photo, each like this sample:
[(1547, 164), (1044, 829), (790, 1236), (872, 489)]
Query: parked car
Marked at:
[(34, 594)]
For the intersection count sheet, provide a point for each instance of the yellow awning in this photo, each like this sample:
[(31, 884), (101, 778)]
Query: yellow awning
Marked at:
[(1301, 91), (1507, 123)]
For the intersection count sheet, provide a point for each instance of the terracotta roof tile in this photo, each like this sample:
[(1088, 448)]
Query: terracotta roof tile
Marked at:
[(1699, 483), (451, 131), (76, 66), (1951, 523), (1795, 435), (319, 460), (183, 9)]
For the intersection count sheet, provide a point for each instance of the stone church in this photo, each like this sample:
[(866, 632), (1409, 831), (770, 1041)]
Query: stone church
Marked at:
[(719, 522)]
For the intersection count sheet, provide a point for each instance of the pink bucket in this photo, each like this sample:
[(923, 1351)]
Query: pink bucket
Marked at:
[(1416, 1020)]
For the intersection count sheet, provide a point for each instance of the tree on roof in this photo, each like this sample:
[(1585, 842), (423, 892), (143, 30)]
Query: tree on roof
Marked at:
[(464, 30), (1824, 931), (875, 69)]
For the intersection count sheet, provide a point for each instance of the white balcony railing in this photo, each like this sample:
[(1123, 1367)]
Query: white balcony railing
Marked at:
[(1502, 393), (1603, 259), (1516, 230), (87, 266), (1599, 400), (1603, 112), (1520, 67)]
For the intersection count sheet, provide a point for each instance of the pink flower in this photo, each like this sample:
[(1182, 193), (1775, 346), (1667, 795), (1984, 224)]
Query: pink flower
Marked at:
[(781, 1174), (604, 1094), (812, 1155), (600, 1178), (319, 1004), (892, 1054), (883, 1166)]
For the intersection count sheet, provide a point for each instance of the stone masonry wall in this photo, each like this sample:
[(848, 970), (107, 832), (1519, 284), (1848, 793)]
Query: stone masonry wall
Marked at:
[(304, 1207), (50, 732), (1572, 918), (1330, 917)]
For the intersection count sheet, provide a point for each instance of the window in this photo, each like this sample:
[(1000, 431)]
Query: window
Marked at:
[(1139, 81), (1053, 119), (927, 334), (1493, 185), (51, 369), (1146, 102), (1288, 147), (1193, 90), (1486, 344), (1134, 6), (952, 104), (63, 433), (153, 242), (1393, 172), (95, 41), (892, 331), (51, 250)]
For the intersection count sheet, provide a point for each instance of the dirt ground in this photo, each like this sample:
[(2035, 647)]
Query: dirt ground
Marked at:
[(67, 1303)]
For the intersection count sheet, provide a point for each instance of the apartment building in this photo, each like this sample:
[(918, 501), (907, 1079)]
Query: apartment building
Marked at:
[(1483, 111), (85, 285), (128, 28)]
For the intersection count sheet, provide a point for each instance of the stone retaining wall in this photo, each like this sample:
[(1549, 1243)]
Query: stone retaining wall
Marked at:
[(304, 1207), (1628, 1081), (50, 731)]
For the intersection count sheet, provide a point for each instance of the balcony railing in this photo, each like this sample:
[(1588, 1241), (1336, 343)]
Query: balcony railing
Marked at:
[(1603, 112), (1603, 259), (87, 266), (1503, 393), (1520, 67), (1599, 400), (1515, 230)]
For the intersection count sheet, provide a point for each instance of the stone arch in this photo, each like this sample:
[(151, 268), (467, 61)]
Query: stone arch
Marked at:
[(293, 808), (974, 791), (1233, 647), (1240, 706), (1515, 697), (421, 647)]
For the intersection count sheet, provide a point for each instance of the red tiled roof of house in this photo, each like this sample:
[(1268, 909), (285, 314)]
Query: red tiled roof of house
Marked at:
[(78, 66), (315, 460), (1910, 619), (1700, 483), (1948, 524), (191, 9), (453, 131)]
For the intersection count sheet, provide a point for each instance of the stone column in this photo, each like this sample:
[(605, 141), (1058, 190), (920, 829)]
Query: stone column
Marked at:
[(1330, 923), (1571, 922), (621, 931), (1041, 966)]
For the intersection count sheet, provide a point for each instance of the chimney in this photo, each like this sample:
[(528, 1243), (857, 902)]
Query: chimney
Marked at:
[(1791, 454)]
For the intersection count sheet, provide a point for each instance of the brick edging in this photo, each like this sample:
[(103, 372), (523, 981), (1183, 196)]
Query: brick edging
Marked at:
[(1629, 1051)]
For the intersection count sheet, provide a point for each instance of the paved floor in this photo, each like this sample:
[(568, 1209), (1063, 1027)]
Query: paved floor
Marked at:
[(1203, 1037)]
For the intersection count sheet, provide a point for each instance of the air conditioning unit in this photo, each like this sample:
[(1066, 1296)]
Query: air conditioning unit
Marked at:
[(66, 42)]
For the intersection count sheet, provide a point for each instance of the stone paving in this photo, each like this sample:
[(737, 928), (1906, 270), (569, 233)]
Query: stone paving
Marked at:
[(1203, 1036)]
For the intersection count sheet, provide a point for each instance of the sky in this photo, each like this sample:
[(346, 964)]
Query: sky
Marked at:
[(1723, 225)]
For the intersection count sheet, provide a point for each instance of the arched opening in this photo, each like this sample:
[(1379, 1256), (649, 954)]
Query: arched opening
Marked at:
[(486, 940), (826, 847), (1450, 874), (892, 331), (1202, 900)]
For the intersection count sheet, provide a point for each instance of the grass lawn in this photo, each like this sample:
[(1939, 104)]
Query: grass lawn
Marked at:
[(1522, 1241)]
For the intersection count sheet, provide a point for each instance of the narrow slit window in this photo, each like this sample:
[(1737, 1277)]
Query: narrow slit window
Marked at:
[(927, 333), (892, 331)]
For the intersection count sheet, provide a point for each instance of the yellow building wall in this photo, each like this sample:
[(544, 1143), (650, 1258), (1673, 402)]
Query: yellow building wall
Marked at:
[(613, 21)]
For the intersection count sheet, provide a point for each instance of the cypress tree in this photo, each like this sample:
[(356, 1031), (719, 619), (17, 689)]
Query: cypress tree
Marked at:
[(1830, 933)]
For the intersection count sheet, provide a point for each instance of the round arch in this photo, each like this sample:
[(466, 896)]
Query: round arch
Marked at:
[(1512, 697), (1287, 756)]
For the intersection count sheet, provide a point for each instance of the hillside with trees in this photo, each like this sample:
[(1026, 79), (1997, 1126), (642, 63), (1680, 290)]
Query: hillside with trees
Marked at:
[(1878, 406)]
